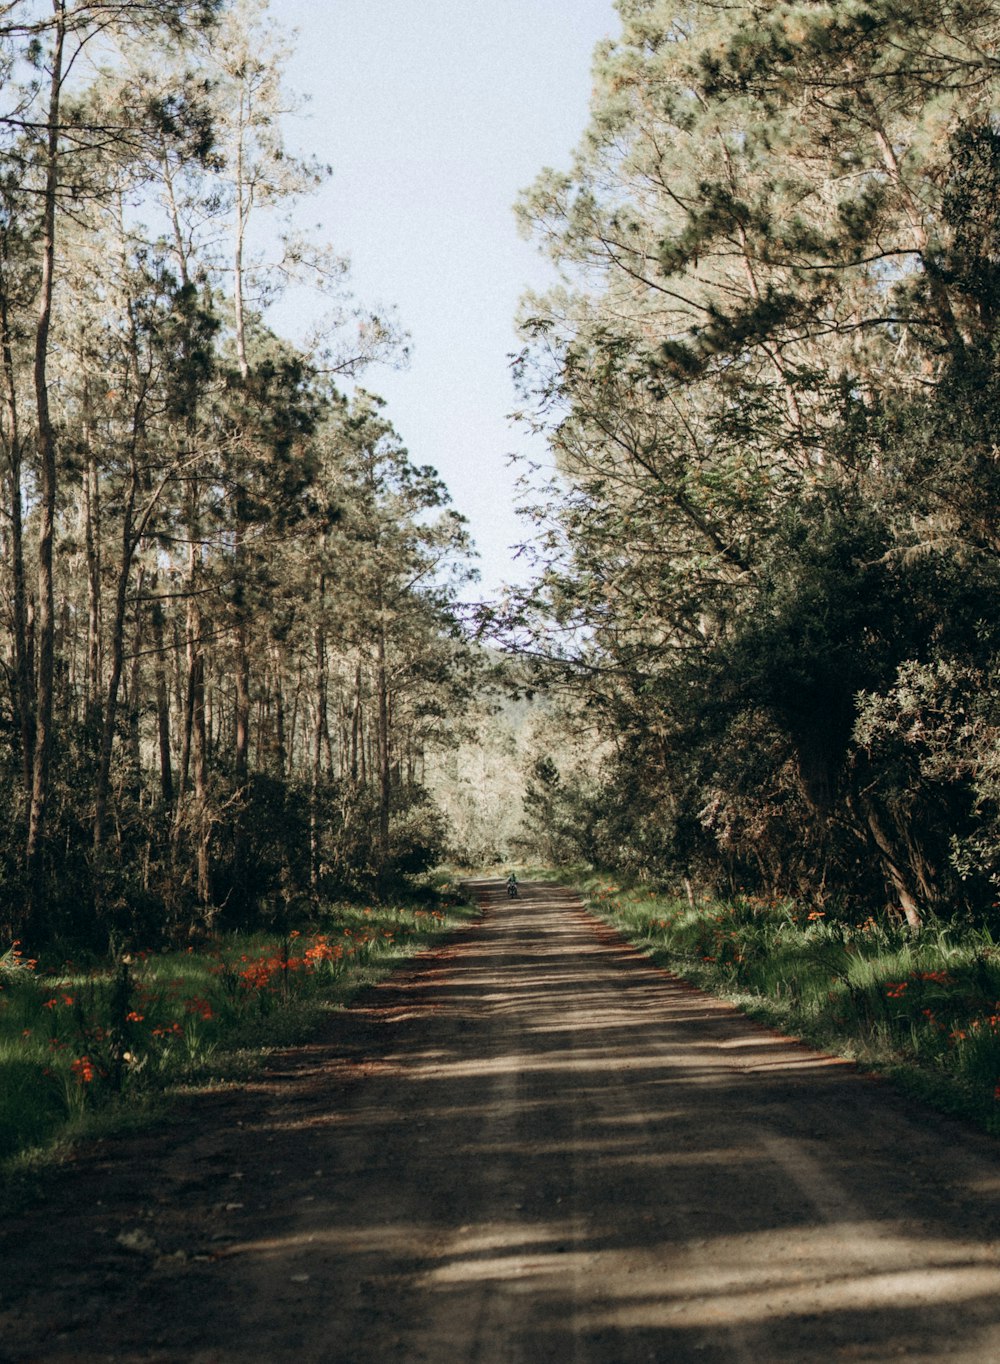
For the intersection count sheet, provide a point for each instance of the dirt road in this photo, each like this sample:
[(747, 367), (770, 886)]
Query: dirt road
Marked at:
[(531, 1145)]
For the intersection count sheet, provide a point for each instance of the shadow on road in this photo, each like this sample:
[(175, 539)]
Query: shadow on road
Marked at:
[(534, 1145)]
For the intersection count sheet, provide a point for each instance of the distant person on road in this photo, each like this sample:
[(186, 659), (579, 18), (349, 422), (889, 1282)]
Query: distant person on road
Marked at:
[(512, 886)]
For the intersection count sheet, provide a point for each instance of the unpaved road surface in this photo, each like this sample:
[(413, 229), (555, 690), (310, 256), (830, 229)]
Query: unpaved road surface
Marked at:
[(531, 1145)]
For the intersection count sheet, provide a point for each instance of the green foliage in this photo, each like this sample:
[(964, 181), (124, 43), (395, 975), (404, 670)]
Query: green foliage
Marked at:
[(767, 562), (257, 587), (550, 809), (75, 1042), (417, 840), (927, 1010)]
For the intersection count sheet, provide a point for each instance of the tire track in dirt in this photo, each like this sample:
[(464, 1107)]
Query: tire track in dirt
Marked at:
[(529, 1145)]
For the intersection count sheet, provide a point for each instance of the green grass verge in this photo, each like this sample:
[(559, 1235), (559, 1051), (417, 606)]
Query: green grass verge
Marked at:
[(89, 1050), (924, 1011)]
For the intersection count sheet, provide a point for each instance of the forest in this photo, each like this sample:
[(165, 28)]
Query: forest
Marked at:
[(228, 623), (767, 558), (398, 965), (759, 649)]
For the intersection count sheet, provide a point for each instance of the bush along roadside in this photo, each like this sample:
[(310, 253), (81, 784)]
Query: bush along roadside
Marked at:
[(924, 1010), (85, 1048)]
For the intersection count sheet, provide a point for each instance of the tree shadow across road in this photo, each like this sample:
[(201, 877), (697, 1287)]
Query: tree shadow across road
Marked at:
[(532, 1145)]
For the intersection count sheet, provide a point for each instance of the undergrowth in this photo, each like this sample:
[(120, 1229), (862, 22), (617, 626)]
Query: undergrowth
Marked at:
[(85, 1048), (924, 1010)]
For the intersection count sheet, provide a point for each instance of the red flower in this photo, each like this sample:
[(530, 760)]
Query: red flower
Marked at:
[(83, 1070)]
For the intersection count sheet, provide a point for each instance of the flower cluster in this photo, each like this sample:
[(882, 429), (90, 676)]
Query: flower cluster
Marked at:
[(101, 1033), (897, 989), (977, 1027), (273, 969), (321, 951), (262, 973), (13, 961), (83, 1070)]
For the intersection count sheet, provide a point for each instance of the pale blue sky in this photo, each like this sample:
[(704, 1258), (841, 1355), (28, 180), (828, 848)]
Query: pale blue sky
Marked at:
[(434, 114)]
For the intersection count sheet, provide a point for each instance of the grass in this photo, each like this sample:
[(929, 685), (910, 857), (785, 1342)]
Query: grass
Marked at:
[(85, 1050), (924, 1010)]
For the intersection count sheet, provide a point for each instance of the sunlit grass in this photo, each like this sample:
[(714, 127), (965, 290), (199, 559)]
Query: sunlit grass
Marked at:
[(925, 1009), (76, 1044)]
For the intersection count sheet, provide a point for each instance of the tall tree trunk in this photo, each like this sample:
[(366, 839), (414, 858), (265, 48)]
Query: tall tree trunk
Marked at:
[(344, 740), (241, 749), (23, 698), (135, 692), (162, 698), (382, 738), (92, 542), (47, 484), (293, 724), (115, 674), (242, 679), (241, 754), (356, 737), (199, 761), (317, 748), (191, 806), (315, 773), (280, 751), (194, 739)]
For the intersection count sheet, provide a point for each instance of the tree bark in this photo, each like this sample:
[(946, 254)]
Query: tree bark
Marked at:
[(384, 768), (23, 699), (117, 664), (194, 739), (162, 697), (906, 892), (92, 545), (47, 481)]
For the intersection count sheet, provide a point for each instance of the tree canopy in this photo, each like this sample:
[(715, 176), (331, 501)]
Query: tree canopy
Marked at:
[(769, 551), (228, 622)]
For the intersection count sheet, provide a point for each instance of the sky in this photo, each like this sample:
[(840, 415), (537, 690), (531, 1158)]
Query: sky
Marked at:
[(434, 115)]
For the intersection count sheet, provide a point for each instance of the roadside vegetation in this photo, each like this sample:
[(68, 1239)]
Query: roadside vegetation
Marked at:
[(230, 630), (85, 1046), (923, 1009), (766, 551), (765, 546)]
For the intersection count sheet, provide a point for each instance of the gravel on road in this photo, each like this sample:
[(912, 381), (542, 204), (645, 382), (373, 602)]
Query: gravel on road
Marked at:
[(529, 1145)]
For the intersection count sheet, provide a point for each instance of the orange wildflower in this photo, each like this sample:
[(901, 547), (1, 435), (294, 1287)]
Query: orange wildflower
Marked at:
[(83, 1070)]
